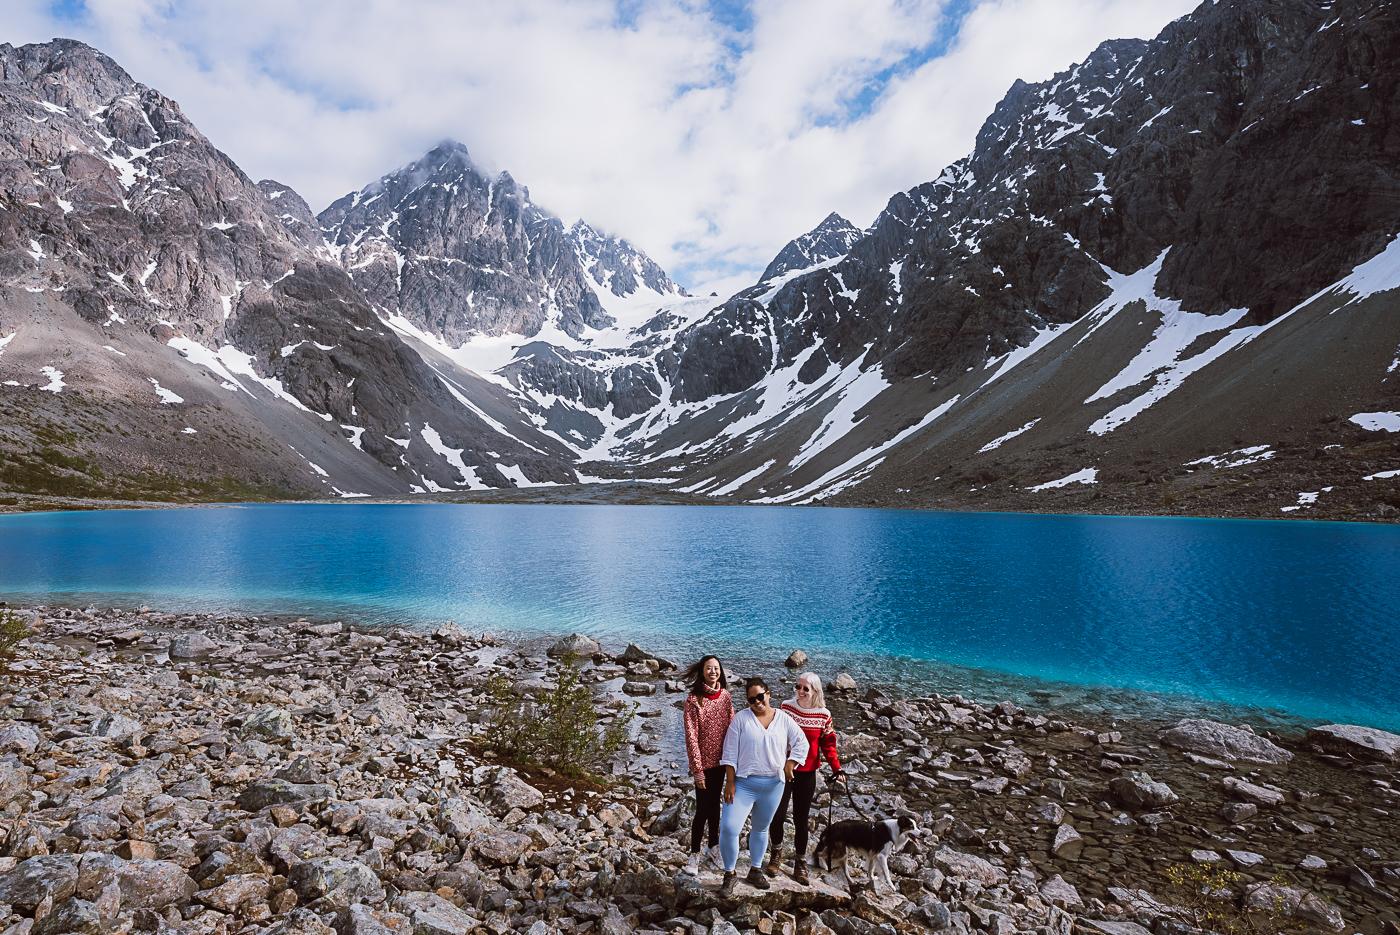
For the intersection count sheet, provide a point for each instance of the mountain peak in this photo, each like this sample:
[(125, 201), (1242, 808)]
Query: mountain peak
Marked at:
[(831, 238)]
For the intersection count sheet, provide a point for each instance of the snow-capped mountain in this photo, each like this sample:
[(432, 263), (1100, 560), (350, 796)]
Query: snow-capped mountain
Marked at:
[(170, 328), (1167, 279)]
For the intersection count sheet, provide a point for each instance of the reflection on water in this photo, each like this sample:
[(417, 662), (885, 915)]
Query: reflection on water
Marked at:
[(1296, 617)]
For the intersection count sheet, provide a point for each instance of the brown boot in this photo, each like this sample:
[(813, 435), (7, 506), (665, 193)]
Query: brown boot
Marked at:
[(774, 864), (726, 887), (799, 872)]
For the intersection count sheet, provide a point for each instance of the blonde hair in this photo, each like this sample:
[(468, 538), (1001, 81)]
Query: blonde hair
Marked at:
[(815, 684)]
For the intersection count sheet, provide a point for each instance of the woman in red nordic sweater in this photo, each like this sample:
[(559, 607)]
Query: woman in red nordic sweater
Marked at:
[(808, 709), (708, 710)]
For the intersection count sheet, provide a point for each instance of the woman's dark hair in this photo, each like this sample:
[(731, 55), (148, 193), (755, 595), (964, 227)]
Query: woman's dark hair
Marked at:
[(695, 675), (755, 682)]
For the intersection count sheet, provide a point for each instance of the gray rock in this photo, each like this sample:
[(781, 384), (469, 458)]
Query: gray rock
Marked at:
[(360, 919), (14, 782), (502, 789), (1363, 743), (1312, 862), (430, 914), (639, 688), (18, 738), (1244, 859), (1068, 843), (960, 866), (1223, 740), (1109, 927), (72, 915), (843, 682), (1138, 790), (1249, 792), (1059, 893), (263, 793), (300, 922), (1236, 812), (335, 883), (236, 891), (501, 846), (191, 646), (119, 727), (270, 721), (575, 644), (388, 708), (39, 878), (1295, 902), (796, 659), (154, 884)]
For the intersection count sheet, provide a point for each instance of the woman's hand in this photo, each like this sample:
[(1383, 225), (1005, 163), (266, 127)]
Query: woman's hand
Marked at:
[(728, 793), (788, 769), (700, 780), (839, 778)]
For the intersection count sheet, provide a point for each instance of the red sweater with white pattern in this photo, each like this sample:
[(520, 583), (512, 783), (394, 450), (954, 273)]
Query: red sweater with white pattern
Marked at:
[(707, 720), (821, 736)]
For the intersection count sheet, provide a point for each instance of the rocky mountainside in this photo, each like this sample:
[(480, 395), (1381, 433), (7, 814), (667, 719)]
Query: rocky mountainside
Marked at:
[(1164, 280), (1092, 310), (170, 328)]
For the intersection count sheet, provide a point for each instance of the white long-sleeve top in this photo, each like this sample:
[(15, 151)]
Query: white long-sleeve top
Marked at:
[(754, 750)]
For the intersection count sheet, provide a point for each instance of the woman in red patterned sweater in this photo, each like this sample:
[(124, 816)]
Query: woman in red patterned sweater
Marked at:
[(808, 709), (708, 710)]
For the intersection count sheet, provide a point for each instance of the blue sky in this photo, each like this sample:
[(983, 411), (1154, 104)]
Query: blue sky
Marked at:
[(707, 133)]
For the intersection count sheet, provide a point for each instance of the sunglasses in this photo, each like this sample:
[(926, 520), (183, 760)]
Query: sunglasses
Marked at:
[(758, 699)]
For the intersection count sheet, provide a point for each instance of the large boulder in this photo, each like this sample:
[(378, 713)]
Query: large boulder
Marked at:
[(1295, 902), (388, 708), (118, 728), (575, 644), (270, 721), (1222, 740), (14, 782), (32, 880), (501, 846), (502, 789), (1137, 790), (191, 646), (360, 919), (154, 884), (18, 738), (1363, 743), (963, 867), (430, 914), (335, 883), (262, 793)]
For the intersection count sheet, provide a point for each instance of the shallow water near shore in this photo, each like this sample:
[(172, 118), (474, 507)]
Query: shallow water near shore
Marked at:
[(1145, 614)]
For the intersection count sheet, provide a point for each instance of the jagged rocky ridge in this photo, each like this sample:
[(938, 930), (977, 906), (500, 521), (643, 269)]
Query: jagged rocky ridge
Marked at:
[(1091, 311)]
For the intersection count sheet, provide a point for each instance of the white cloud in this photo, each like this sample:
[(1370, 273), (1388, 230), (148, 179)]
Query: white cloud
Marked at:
[(708, 148)]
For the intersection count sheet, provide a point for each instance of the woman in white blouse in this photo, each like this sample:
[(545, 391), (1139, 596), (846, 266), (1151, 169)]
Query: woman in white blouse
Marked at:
[(761, 749)]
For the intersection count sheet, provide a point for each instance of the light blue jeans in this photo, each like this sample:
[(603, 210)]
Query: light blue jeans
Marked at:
[(759, 795)]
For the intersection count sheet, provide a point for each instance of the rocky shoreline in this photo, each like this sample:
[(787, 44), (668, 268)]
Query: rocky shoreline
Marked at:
[(205, 775)]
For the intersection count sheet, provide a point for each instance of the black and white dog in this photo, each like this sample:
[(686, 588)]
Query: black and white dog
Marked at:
[(873, 840)]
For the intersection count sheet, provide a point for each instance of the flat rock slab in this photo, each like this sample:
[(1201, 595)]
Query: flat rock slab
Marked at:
[(1366, 743), (1223, 740)]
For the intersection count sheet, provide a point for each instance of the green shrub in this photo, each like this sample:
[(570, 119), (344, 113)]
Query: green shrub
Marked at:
[(556, 729), (1207, 894), (12, 630)]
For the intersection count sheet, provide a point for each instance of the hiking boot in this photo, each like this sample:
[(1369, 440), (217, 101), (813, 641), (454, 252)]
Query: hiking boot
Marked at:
[(773, 866), (692, 864), (757, 880), (799, 872), (726, 888)]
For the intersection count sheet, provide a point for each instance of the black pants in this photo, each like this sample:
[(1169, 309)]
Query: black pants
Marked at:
[(707, 808), (800, 791)]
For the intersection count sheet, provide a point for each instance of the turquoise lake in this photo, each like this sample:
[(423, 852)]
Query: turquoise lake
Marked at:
[(1296, 619)]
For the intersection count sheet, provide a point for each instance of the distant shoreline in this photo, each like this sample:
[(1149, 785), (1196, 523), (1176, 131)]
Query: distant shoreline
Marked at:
[(632, 494)]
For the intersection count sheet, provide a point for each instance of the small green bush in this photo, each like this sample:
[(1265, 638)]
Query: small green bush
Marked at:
[(1207, 893), (555, 729), (12, 630)]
